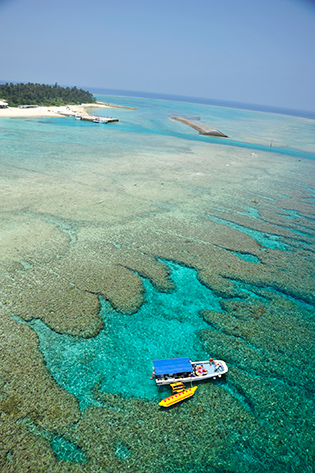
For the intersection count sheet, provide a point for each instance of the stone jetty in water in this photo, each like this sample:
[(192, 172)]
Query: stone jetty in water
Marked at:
[(201, 127)]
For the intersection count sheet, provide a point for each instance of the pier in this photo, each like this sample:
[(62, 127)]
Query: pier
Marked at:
[(83, 115), (97, 119), (202, 128)]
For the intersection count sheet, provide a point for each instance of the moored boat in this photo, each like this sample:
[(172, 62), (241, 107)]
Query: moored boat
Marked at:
[(182, 369), (179, 394)]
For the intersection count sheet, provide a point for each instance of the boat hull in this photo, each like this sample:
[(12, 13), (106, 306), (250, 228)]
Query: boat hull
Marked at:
[(178, 397), (212, 370)]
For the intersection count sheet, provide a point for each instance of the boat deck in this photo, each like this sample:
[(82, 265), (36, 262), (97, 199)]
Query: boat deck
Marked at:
[(211, 368), (208, 370)]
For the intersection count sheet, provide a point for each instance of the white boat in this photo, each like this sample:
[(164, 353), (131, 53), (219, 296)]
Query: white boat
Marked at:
[(78, 117), (182, 369)]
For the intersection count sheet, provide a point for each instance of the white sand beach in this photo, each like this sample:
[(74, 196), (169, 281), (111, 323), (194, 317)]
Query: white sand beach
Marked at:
[(66, 110)]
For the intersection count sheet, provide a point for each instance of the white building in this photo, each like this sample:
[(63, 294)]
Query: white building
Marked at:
[(3, 104)]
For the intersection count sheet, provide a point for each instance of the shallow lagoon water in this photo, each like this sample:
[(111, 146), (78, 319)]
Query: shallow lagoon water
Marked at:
[(120, 357), (88, 210)]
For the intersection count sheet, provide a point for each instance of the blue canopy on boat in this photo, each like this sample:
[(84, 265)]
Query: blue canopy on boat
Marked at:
[(173, 365)]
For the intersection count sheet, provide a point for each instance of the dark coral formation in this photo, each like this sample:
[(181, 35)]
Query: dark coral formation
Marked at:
[(74, 232)]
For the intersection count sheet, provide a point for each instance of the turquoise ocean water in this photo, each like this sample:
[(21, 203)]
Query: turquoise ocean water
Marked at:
[(172, 323)]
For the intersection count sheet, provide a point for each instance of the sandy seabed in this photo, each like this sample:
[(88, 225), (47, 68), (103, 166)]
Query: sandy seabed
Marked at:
[(93, 227)]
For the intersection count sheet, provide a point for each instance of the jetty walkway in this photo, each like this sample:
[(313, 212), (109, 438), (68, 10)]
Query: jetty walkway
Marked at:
[(83, 115), (97, 119), (202, 128)]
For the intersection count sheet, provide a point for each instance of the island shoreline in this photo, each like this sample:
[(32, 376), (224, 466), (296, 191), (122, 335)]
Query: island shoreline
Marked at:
[(54, 111)]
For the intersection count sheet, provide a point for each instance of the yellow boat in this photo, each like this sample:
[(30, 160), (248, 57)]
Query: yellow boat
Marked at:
[(178, 396)]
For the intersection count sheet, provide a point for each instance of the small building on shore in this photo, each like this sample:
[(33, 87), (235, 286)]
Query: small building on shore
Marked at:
[(3, 104), (28, 106)]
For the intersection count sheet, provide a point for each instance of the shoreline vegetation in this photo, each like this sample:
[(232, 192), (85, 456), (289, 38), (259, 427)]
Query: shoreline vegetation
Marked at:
[(43, 94), (40, 100)]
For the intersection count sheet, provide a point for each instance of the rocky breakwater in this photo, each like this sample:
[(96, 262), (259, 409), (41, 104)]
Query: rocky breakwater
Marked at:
[(202, 128)]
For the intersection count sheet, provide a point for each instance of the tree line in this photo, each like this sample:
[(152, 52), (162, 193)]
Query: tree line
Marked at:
[(42, 94)]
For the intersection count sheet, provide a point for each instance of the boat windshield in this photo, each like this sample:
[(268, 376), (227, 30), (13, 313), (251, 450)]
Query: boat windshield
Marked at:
[(172, 366)]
